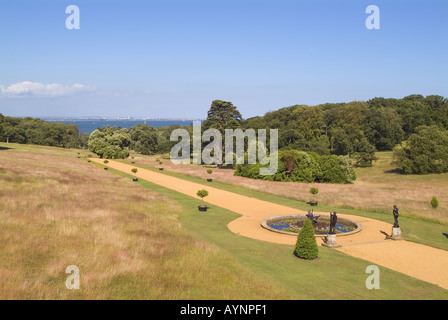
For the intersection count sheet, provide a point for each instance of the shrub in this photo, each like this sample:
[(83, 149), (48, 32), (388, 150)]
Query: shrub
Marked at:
[(434, 202), (209, 171), (202, 193), (306, 245), (314, 190), (106, 161), (336, 169), (299, 166), (134, 170)]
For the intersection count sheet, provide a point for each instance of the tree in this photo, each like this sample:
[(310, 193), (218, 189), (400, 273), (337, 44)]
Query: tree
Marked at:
[(309, 121), (426, 151), (306, 245), (364, 153), (111, 143), (383, 128), (14, 134), (144, 139), (289, 158), (202, 193), (221, 116), (314, 191), (336, 169)]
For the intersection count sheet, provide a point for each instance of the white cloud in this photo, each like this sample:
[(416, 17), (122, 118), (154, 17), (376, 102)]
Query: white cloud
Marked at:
[(36, 89)]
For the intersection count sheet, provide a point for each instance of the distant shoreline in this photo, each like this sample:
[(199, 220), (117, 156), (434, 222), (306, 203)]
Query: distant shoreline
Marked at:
[(119, 119), (90, 125)]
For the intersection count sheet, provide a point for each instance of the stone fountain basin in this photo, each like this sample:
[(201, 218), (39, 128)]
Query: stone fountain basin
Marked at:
[(323, 218)]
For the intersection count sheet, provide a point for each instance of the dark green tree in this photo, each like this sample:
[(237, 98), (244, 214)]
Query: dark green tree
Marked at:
[(426, 151), (364, 153), (110, 143), (144, 139), (383, 128), (221, 116), (306, 245)]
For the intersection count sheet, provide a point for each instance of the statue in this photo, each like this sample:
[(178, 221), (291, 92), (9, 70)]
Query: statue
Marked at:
[(333, 220), (312, 217), (395, 212), (330, 239)]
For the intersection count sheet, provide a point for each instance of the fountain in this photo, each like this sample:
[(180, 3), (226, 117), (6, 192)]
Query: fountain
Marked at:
[(323, 225)]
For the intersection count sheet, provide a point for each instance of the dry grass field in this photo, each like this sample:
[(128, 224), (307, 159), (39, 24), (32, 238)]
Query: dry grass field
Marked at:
[(377, 188), (57, 210)]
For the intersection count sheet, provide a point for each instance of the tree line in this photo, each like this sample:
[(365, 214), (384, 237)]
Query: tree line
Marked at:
[(36, 131), (414, 126), (356, 129)]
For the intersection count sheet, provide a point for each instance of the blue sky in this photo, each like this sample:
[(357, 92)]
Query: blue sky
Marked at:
[(171, 58)]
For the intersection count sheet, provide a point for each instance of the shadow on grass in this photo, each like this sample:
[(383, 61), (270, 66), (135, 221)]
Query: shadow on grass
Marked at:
[(445, 234), (395, 171), (5, 148)]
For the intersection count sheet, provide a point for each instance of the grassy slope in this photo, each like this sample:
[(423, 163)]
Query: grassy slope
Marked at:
[(135, 248), (57, 210)]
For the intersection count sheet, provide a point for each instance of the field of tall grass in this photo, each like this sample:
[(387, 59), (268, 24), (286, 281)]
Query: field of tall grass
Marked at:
[(58, 210)]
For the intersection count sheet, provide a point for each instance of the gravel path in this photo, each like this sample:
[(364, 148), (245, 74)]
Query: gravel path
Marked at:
[(416, 260)]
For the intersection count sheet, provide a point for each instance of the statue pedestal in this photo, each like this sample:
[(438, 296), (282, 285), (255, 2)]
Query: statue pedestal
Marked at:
[(396, 234), (331, 241)]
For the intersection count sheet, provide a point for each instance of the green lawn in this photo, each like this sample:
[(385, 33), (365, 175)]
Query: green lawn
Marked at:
[(334, 275), (414, 229)]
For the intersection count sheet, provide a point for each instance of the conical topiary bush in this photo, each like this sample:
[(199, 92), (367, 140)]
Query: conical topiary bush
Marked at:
[(306, 245)]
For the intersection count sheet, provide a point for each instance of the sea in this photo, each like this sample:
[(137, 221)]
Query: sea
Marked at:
[(89, 126)]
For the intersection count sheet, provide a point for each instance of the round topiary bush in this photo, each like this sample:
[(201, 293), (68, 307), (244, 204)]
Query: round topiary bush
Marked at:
[(106, 161), (306, 245), (314, 190), (202, 193), (434, 202)]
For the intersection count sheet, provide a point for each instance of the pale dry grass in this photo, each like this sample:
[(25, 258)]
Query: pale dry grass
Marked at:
[(57, 211), (377, 188)]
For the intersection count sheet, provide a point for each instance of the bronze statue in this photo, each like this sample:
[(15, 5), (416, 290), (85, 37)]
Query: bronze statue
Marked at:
[(395, 212), (312, 217), (333, 220)]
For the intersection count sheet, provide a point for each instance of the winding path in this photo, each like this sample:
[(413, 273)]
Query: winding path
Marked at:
[(419, 261)]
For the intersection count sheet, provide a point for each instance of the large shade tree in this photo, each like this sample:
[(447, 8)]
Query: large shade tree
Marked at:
[(221, 116), (144, 139), (110, 143), (426, 151)]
